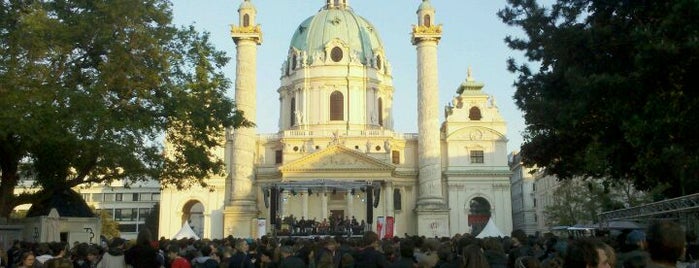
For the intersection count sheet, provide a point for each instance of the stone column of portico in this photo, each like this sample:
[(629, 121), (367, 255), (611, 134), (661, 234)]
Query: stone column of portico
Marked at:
[(350, 204), (305, 205), (431, 208), (324, 206), (241, 209), (389, 199)]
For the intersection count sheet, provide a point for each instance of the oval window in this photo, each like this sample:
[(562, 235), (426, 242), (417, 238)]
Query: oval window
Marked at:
[(336, 54)]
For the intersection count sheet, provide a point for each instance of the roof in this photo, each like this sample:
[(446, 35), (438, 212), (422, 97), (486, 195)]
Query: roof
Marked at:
[(337, 24), (67, 202)]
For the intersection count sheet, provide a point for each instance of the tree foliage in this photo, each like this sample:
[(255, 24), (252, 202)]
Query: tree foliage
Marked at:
[(581, 201), (88, 90), (110, 227), (613, 92)]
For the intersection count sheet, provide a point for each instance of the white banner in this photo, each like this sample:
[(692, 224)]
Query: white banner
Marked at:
[(381, 226), (261, 227)]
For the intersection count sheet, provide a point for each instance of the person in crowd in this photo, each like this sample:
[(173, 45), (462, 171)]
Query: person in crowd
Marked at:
[(58, 263), (446, 257), (666, 244), (326, 255), (266, 259), (692, 254), (520, 247), (586, 253), (527, 262), (143, 254), (241, 259), (427, 257), (176, 261), (43, 253), (633, 251), (114, 257), (552, 262), (289, 260), (58, 250), (26, 260), (208, 258), (369, 257), (492, 249), (407, 258), (473, 257)]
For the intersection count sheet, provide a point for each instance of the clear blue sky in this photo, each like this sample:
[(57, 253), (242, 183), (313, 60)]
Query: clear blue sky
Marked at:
[(473, 36)]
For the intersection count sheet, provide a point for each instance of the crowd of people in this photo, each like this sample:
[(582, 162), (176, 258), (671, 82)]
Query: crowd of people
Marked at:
[(335, 225), (664, 244)]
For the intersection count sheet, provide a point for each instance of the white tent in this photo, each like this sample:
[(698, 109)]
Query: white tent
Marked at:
[(186, 232), (490, 230)]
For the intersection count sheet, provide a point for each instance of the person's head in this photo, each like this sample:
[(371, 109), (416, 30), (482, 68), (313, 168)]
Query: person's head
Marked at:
[(286, 251), (242, 246), (27, 259), (92, 254), (59, 263), (172, 252), (519, 237), (206, 251), (370, 238), (266, 256), (407, 248), (586, 253), (117, 243), (330, 244), (144, 237), (58, 249), (636, 239), (473, 257), (666, 242)]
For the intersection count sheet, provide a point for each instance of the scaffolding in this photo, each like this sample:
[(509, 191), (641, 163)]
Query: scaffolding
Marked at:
[(684, 209)]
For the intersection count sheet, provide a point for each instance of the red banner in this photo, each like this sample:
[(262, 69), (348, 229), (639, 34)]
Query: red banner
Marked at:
[(390, 221)]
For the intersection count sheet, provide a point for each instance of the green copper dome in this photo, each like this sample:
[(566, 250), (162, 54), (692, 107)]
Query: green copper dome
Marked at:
[(342, 23)]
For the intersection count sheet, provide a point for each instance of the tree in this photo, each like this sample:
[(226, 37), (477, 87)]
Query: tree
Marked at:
[(582, 200), (90, 88), (152, 221), (614, 94), (110, 227)]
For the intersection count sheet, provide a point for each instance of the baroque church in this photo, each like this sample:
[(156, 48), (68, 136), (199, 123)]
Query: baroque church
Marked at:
[(336, 154)]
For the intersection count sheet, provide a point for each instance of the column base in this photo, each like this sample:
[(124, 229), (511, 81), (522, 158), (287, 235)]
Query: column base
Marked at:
[(240, 221), (433, 221)]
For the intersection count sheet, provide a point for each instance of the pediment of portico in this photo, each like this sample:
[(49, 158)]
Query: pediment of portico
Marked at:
[(337, 159)]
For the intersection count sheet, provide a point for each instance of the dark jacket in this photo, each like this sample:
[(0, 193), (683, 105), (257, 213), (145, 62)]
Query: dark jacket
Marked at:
[(370, 258), (292, 262), (496, 259), (240, 260), (142, 256), (403, 263)]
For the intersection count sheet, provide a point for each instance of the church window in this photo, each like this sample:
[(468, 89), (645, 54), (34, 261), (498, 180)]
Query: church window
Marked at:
[(278, 156), (474, 113), (337, 106), (336, 54), (395, 157), (294, 61), (380, 112), (427, 21), (477, 157), (378, 62), (246, 20), (292, 115)]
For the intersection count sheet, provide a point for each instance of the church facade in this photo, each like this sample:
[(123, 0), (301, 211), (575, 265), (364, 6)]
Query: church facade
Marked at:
[(336, 154)]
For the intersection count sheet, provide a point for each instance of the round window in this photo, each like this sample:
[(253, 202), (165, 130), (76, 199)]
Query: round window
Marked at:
[(336, 54)]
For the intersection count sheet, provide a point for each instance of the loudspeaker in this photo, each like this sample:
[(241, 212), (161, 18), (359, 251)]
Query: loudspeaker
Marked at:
[(396, 199), (377, 196), (369, 205), (274, 205)]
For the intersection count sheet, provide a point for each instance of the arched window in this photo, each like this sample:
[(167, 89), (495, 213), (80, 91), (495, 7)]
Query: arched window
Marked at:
[(336, 54), (478, 214), (378, 62), (337, 106), (246, 20), (474, 113), (428, 21), (292, 114), (380, 112), (337, 3), (294, 59)]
